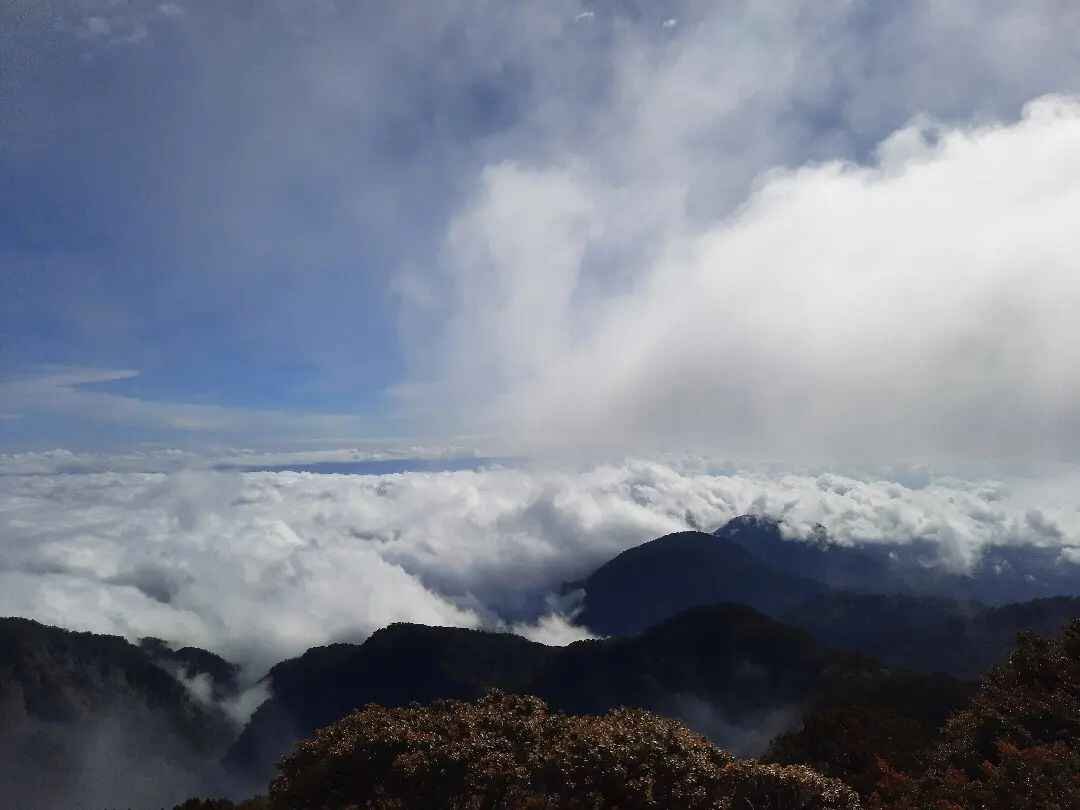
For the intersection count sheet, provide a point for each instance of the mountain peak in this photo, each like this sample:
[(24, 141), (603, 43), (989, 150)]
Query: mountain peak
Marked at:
[(651, 582), (750, 524)]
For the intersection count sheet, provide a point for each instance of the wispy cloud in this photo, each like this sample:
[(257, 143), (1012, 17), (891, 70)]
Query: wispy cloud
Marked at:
[(66, 392)]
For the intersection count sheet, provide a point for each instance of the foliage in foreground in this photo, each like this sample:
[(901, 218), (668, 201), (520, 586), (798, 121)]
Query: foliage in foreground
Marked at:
[(1014, 746), (872, 721), (506, 751)]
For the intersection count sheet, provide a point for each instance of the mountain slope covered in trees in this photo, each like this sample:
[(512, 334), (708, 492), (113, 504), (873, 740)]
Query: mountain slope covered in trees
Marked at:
[(94, 719), (874, 600), (654, 581), (1012, 745), (726, 670)]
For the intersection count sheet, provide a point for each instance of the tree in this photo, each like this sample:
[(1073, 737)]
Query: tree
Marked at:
[(1016, 745), (506, 752)]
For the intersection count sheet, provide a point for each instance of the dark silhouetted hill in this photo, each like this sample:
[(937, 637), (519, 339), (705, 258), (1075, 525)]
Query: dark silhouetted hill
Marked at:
[(725, 670), (397, 665), (1016, 743), (652, 582), (930, 634), (891, 614), (92, 718), (1002, 574), (1011, 742), (866, 714)]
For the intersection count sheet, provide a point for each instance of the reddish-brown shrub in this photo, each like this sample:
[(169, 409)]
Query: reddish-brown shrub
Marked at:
[(511, 752), (1015, 746)]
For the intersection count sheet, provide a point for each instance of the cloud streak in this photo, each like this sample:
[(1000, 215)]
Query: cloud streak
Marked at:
[(69, 392)]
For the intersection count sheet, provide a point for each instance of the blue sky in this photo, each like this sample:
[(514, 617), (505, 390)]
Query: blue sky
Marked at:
[(259, 223)]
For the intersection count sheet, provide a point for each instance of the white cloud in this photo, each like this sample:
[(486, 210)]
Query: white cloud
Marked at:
[(552, 629), (556, 627), (237, 708), (260, 566), (919, 307), (171, 459), (110, 22), (98, 27)]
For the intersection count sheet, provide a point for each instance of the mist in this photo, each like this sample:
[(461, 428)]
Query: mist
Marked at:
[(126, 754)]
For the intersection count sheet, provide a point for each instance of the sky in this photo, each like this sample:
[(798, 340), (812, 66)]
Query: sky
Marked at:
[(547, 279), (799, 230)]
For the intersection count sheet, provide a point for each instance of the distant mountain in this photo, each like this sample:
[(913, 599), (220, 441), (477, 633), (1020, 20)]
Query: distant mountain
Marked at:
[(92, 719), (656, 580), (816, 557), (1002, 574), (726, 670), (930, 634), (884, 602)]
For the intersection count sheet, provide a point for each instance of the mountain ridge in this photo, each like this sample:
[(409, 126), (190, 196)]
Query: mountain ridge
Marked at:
[(657, 579), (92, 717), (724, 669)]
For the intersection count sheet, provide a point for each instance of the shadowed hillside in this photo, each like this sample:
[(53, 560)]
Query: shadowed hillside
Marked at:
[(1016, 744), (1001, 574), (725, 670), (92, 718), (1012, 742), (656, 580), (927, 633), (897, 610)]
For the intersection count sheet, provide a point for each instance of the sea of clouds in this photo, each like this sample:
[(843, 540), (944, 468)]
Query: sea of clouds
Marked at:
[(259, 566)]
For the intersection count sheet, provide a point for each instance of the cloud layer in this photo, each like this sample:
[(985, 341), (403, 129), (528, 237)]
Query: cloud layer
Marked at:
[(259, 566), (917, 307)]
